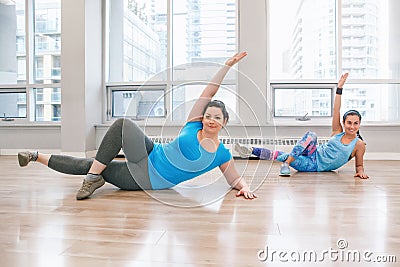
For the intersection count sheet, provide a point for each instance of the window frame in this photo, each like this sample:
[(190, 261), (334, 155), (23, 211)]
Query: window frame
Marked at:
[(14, 90), (302, 86), (132, 88)]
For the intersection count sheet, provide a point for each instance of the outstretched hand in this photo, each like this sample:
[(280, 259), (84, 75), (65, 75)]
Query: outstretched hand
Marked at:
[(235, 59), (246, 193), (362, 175), (342, 80)]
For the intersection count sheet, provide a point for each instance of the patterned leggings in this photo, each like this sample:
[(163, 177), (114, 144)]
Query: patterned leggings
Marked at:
[(303, 152)]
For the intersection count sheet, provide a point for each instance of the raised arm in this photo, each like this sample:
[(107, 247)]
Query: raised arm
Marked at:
[(336, 125), (235, 180), (212, 87)]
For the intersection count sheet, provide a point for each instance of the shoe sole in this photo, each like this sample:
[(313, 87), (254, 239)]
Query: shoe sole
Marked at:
[(242, 154), (284, 174)]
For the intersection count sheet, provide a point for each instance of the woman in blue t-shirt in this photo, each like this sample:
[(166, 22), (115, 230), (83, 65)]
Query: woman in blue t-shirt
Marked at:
[(149, 165), (308, 156)]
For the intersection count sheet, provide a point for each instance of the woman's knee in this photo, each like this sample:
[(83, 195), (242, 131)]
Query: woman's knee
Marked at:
[(311, 134), (123, 124), (119, 122), (310, 137)]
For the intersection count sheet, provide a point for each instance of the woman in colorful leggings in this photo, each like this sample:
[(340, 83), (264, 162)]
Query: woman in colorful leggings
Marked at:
[(308, 156), (148, 165)]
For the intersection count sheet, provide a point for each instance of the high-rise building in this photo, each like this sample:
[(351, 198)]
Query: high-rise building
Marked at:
[(313, 51), (211, 30)]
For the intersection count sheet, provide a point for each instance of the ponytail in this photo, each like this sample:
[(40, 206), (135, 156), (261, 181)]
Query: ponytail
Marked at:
[(359, 136)]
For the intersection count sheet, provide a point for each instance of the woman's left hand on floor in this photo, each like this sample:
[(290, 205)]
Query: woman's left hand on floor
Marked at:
[(246, 193)]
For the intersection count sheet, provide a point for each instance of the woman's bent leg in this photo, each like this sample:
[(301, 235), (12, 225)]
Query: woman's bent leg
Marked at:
[(70, 165), (124, 133), (127, 175), (306, 146), (136, 145), (305, 163), (77, 166), (117, 172)]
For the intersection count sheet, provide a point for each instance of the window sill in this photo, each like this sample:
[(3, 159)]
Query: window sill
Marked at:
[(28, 124)]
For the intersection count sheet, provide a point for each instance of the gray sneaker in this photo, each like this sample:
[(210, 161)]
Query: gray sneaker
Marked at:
[(88, 187), (25, 157), (243, 151)]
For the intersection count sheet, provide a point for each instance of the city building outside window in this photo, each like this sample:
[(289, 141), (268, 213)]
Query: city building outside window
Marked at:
[(168, 44), (318, 40), (39, 80)]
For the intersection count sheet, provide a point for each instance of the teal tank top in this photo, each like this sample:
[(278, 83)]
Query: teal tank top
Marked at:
[(183, 159), (334, 154)]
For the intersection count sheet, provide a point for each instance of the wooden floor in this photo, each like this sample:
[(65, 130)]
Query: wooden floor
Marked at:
[(325, 215)]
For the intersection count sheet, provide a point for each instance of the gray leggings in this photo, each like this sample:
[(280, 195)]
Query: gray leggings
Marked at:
[(128, 175)]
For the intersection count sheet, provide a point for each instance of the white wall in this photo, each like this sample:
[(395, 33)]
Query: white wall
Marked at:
[(81, 69)]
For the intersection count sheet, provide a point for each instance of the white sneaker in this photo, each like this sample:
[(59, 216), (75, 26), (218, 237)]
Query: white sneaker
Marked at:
[(243, 151)]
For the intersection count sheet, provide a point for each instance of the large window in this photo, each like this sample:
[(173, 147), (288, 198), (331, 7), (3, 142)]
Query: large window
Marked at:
[(303, 39), (318, 40), (13, 104), (137, 102), (40, 45), (164, 43), (314, 100)]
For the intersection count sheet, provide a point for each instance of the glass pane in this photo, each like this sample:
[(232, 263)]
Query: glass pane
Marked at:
[(368, 49), (12, 105), (375, 102), (47, 32), (12, 42), (184, 96), (47, 104), (137, 39), (201, 71), (204, 36), (138, 104), (300, 102), (203, 31), (302, 39)]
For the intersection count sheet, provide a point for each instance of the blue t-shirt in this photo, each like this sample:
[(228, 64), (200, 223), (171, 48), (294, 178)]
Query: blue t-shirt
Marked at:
[(183, 159), (334, 154)]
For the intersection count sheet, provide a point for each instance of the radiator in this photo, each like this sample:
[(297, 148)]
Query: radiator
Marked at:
[(283, 143)]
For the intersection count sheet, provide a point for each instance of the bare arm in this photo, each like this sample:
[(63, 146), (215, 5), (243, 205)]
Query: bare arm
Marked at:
[(235, 180), (211, 89), (336, 125), (360, 151)]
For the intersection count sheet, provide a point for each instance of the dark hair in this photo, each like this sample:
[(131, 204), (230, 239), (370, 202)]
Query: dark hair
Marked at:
[(353, 112), (218, 104)]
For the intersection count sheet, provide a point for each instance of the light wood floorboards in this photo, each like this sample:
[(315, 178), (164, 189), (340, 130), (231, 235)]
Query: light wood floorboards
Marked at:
[(41, 223)]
